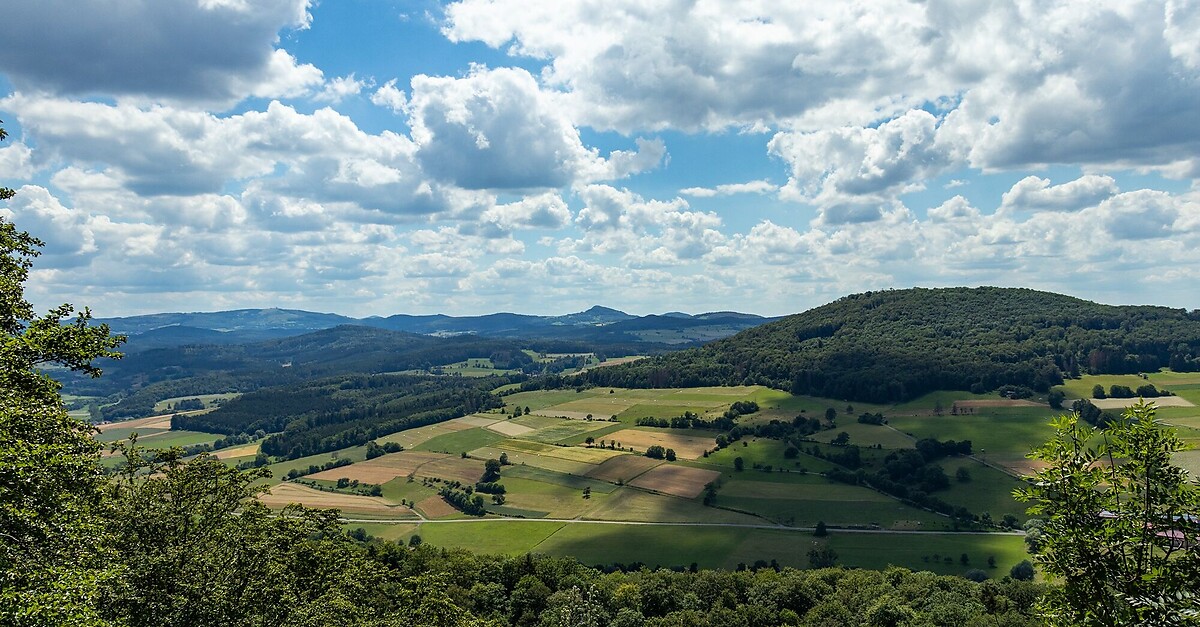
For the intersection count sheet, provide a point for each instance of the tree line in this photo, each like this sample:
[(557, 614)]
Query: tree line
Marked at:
[(897, 345)]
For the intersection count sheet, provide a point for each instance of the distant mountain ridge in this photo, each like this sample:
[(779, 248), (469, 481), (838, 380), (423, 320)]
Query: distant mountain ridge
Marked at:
[(597, 323)]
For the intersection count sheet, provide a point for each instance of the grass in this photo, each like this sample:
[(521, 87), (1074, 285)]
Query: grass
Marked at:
[(715, 547), (867, 435), (499, 537), (167, 439), (1012, 430), (209, 400), (280, 470), (566, 430), (654, 546), (803, 500), (989, 490), (556, 501), (460, 441), (631, 504), (538, 400), (401, 488), (557, 478), (878, 551)]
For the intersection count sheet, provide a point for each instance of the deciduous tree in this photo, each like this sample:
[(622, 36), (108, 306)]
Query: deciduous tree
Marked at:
[(1119, 523)]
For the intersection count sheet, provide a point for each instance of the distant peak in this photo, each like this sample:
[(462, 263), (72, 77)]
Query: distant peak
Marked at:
[(600, 309)]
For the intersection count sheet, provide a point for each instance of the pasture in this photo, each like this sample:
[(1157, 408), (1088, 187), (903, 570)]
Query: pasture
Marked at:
[(460, 441)]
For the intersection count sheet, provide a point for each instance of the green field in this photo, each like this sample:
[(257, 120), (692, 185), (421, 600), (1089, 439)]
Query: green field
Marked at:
[(546, 479), (714, 547), (1013, 430), (209, 400), (460, 441)]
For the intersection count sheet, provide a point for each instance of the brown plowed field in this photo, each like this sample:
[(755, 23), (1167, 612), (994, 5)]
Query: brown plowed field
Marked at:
[(676, 480), (623, 468)]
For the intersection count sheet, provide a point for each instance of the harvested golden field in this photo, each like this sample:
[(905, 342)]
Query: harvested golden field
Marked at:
[(382, 469), (237, 451), (477, 420), (1122, 403), (153, 422), (435, 507), (676, 480), (288, 493), (623, 468), (686, 446), (997, 402), (509, 428)]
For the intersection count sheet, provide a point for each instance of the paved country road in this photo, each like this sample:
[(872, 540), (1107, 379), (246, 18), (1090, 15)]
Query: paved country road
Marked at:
[(460, 521)]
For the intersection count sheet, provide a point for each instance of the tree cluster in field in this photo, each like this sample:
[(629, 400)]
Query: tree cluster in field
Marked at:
[(462, 500), (868, 418), (908, 474), (315, 468), (1094, 415), (658, 452), (374, 449), (187, 404), (228, 441), (330, 414), (690, 420), (1147, 390), (345, 485), (900, 344)]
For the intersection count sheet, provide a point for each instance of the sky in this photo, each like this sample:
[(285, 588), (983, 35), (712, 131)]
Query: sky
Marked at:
[(374, 157)]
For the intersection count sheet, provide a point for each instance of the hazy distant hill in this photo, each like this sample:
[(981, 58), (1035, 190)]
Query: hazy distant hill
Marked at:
[(898, 344), (595, 324)]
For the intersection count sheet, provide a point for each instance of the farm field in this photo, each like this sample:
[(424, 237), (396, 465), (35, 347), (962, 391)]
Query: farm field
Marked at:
[(552, 475), (714, 547), (350, 504)]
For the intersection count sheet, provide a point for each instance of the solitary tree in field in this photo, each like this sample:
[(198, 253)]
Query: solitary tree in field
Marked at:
[(1119, 524)]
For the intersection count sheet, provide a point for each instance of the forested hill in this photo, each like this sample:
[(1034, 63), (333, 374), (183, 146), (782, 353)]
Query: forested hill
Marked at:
[(899, 344)]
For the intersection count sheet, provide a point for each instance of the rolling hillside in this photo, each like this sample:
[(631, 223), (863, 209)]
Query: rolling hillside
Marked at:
[(898, 344)]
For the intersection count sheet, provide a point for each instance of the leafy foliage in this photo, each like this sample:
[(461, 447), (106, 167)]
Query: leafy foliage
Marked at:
[(1119, 523), (49, 473), (899, 344)]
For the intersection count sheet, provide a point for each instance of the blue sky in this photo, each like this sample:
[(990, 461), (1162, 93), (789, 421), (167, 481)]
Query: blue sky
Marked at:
[(380, 156)]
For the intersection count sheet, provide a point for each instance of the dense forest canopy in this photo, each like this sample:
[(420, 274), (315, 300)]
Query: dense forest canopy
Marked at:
[(334, 413), (896, 345)]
